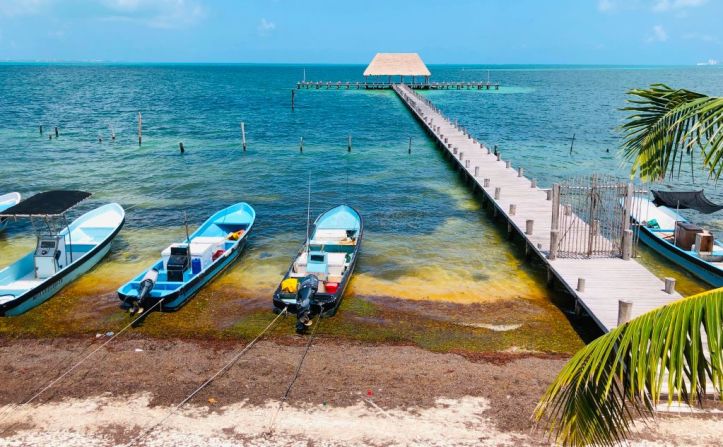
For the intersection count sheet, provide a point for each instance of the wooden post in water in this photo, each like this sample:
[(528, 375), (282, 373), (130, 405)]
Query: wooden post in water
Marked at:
[(293, 92), (243, 135), (140, 128), (56, 131), (625, 311), (410, 145), (41, 130), (301, 144), (348, 148), (180, 147)]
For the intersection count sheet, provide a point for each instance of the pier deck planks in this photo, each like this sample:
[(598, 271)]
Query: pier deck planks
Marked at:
[(607, 280)]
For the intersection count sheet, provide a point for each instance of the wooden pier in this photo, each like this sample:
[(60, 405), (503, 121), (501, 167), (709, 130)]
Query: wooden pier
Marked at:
[(339, 85), (598, 284)]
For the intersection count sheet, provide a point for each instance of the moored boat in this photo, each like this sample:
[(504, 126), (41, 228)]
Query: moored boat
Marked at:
[(187, 266), (63, 252), (6, 201), (682, 242), (321, 270)]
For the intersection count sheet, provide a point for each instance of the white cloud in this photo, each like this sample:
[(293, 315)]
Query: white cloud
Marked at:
[(13, 8), (659, 34), (266, 27), (673, 5), (154, 13), (151, 13), (605, 5)]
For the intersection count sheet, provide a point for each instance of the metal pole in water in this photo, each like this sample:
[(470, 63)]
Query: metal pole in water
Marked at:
[(243, 135)]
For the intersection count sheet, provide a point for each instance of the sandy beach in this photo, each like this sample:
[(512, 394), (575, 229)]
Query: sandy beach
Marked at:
[(346, 394)]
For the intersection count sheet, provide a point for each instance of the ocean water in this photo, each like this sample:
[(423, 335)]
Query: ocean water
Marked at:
[(427, 238)]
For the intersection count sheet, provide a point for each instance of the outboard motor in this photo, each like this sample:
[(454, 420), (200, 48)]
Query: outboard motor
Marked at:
[(307, 289), (144, 291)]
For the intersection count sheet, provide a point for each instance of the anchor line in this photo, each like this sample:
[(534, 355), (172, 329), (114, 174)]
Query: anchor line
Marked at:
[(76, 365), (228, 365), (296, 376)]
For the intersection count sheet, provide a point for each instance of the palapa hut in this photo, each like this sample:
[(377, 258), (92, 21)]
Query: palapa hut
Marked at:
[(397, 64)]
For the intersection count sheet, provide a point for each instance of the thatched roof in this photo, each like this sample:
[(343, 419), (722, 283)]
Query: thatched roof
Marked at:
[(396, 64)]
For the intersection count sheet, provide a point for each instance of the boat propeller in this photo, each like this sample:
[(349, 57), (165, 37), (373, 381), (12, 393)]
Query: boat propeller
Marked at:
[(144, 291), (307, 289)]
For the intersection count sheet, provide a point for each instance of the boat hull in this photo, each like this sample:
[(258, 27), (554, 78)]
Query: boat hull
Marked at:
[(47, 289), (323, 303), (698, 267), (173, 295), (176, 299)]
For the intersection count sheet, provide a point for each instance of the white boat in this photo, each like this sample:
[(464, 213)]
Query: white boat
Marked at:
[(62, 253), (6, 201), (680, 241)]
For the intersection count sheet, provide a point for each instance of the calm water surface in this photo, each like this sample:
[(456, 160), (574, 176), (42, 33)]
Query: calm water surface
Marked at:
[(427, 237)]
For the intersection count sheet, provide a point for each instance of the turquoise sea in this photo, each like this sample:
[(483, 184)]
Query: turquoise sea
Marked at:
[(427, 236)]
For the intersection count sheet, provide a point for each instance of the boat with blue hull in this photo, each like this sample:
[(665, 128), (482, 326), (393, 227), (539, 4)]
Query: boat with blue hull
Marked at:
[(6, 201), (321, 270), (186, 267), (63, 252), (674, 237)]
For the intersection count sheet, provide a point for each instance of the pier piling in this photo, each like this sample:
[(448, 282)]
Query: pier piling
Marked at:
[(625, 310)]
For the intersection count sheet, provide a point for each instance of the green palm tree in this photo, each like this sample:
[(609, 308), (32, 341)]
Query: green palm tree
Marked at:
[(622, 374), (666, 124)]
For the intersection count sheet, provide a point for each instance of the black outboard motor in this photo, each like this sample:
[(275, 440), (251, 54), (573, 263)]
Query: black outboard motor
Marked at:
[(307, 289), (144, 291)]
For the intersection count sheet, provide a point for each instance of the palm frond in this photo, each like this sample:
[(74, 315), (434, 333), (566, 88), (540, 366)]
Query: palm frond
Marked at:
[(666, 123), (622, 374)]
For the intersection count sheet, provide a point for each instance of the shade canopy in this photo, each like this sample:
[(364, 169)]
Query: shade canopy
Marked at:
[(682, 200), (46, 204), (397, 64)]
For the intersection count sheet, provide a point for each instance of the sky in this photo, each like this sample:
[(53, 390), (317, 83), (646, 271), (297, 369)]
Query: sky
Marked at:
[(645, 32)]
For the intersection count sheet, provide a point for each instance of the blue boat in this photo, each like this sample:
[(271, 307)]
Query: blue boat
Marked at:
[(6, 201), (63, 252), (321, 270), (686, 244), (186, 267)]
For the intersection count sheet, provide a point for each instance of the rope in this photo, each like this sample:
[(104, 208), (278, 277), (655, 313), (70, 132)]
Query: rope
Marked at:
[(233, 360), (296, 376), (76, 365)]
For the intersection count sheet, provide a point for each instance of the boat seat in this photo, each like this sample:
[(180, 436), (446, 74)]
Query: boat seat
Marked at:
[(336, 259)]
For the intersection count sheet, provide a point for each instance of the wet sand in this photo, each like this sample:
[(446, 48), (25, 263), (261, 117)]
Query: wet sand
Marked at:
[(347, 394)]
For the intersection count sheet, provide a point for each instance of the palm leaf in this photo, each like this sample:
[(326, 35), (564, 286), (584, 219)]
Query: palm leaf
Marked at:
[(622, 374), (665, 123)]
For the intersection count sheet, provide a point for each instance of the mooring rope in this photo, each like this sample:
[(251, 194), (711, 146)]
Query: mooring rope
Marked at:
[(233, 360), (270, 431), (76, 365)]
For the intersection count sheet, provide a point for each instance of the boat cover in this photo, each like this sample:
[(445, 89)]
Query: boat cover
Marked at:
[(49, 203), (682, 200)]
